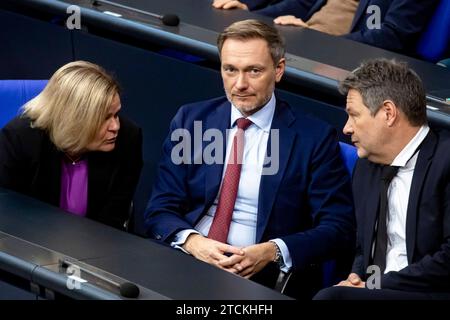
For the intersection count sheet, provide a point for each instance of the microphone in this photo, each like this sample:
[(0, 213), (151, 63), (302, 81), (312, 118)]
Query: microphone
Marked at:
[(168, 19), (126, 289)]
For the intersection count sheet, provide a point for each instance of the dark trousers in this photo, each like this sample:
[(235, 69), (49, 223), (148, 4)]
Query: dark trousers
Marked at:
[(302, 285), (348, 293)]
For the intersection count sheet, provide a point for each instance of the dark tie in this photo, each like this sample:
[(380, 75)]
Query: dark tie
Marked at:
[(379, 257), (227, 198)]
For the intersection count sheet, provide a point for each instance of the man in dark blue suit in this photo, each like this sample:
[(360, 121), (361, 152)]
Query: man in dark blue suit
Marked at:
[(401, 189), (390, 24), (281, 203), (243, 4)]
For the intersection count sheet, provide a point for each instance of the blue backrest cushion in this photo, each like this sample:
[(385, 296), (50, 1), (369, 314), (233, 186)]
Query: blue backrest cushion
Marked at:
[(436, 37), (14, 94), (349, 155)]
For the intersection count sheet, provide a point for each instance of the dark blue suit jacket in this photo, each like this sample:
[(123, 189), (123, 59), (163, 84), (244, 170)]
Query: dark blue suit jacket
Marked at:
[(258, 4), (427, 223), (302, 9), (402, 21), (308, 203)]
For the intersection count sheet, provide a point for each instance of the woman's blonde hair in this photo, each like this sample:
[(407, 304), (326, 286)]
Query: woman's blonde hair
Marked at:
[(74, 105)]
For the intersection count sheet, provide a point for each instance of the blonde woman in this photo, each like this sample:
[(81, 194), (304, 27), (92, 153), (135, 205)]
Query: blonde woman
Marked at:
[(70, 147)]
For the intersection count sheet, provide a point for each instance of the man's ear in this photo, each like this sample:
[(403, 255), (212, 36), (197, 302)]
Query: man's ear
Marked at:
[(391, 112), (279, 69)]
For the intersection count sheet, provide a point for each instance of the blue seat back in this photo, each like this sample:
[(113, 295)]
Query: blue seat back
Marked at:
[(436, 37), (334, 271), (349, 155), (14, 94)]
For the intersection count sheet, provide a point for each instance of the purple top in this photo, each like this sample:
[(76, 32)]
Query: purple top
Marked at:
[(74, 187)]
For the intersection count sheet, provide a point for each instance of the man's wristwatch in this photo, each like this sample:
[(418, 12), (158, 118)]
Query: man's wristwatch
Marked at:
[(278, 256)]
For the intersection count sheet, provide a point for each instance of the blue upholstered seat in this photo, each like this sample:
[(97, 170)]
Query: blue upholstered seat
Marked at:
[(435, 40), (14, 94)]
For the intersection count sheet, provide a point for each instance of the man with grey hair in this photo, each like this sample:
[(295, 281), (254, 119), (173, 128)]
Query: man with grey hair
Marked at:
[(401, 189), (235, 214)]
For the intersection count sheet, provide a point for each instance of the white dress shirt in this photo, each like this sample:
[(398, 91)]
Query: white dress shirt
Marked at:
[(398, 197), (243, 223)]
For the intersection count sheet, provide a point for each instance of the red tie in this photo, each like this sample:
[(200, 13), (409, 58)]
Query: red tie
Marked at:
[(221, 223)]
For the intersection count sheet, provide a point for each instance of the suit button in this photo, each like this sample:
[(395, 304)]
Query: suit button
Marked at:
[(158, 237)]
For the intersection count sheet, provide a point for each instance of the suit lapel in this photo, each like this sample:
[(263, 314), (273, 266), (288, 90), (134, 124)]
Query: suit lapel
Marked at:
[(282, 120), (371, 212), (420, 171), (219, 119), (47, 181), (360, 11), (316, 7), (102, 167)]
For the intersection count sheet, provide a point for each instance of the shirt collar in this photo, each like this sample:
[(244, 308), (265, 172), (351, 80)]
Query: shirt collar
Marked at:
[(262, 118), (408, 151)]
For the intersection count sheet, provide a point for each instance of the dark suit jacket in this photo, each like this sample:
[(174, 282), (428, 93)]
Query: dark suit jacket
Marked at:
[(302, 9), (258, 4), (307, 203), (31, 164), (427, 224), (402, 21)]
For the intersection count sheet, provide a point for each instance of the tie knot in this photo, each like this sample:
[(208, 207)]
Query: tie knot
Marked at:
[(388, 173), (243, 123)]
